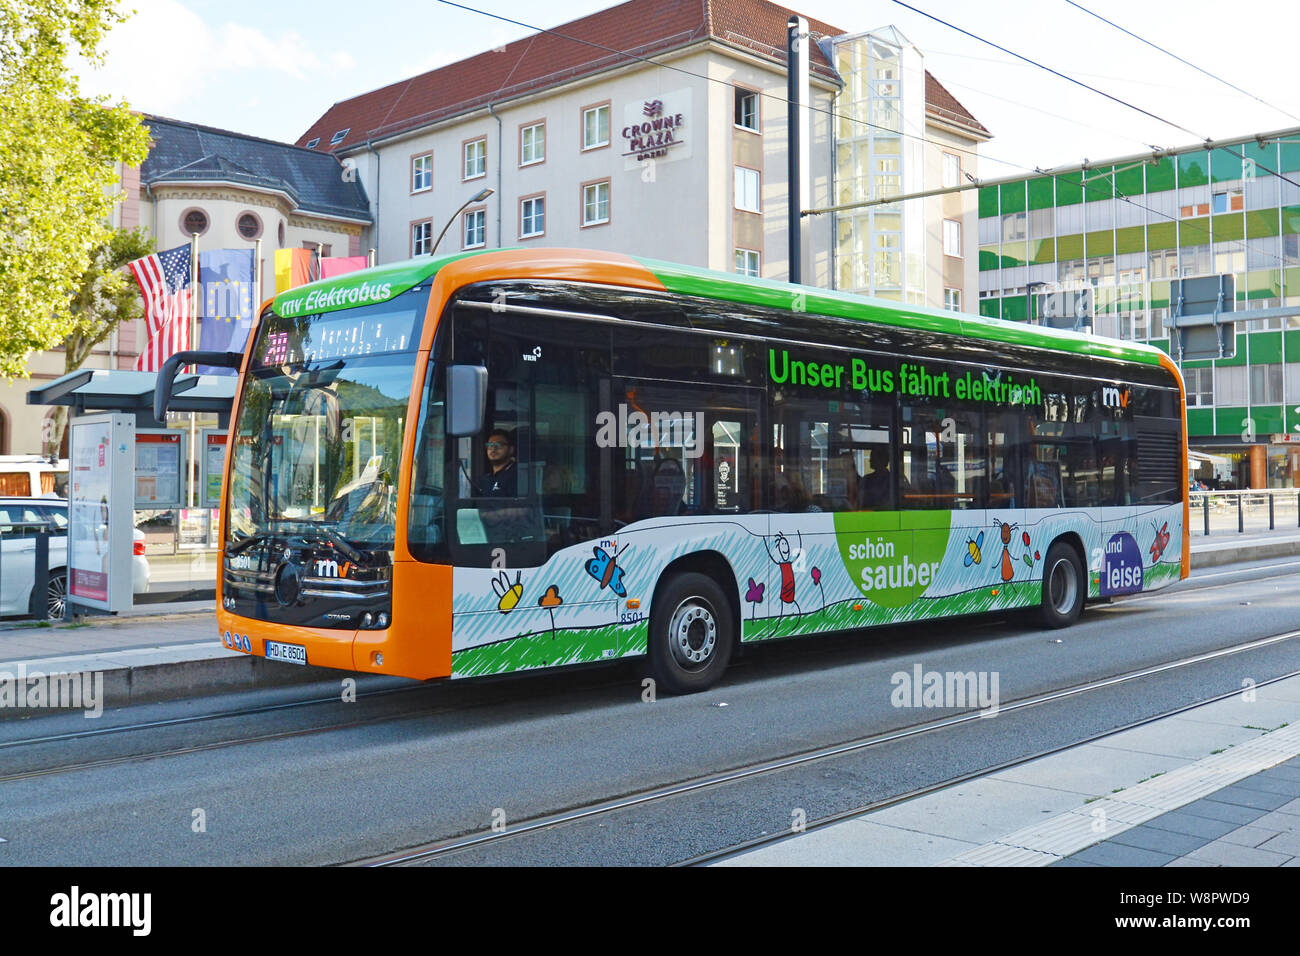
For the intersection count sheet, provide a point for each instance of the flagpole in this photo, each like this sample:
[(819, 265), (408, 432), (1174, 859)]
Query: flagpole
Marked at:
[(257, 276), (195, 300)]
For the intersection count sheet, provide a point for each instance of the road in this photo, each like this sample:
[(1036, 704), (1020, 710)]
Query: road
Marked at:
[(334, 781)]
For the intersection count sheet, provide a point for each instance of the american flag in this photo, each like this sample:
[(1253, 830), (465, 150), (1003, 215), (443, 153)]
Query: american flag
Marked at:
[(164, 280)]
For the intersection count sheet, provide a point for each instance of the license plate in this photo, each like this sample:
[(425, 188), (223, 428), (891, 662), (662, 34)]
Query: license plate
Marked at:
[(288, 653)]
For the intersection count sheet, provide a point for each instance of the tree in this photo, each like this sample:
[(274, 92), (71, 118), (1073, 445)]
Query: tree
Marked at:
[(59, 158), (107, 296)]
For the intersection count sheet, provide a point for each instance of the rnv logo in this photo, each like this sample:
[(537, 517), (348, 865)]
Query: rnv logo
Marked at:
[(75, 909), (329, 568)]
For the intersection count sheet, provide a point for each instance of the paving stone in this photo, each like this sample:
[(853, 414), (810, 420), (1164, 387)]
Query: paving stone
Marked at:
[(1230, 854), (1161, 841), (1257, 799), (1192, 825), (1251, 835), (1217, 810), (1288, 843), (1278, 785), (1279, 822), (1110, 853), (1184, 861)]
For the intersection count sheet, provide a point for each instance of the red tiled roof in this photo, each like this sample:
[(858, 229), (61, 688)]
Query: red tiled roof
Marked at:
[(945, 106), (638, 27)]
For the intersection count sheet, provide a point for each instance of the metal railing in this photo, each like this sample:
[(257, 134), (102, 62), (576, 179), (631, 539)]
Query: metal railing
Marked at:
[(13, 532), (1250, 509)]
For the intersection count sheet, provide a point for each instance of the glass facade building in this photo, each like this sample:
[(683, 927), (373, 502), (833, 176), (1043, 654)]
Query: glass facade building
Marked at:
[(1125, 228)]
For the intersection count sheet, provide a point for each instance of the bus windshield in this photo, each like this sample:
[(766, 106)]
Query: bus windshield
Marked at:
[(319, 435)]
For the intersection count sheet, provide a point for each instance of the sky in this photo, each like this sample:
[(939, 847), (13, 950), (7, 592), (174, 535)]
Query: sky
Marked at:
[(271, 69)]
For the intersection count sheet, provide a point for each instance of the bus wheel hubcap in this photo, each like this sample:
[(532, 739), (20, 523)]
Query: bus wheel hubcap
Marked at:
[(693, 632), (1063, 587)]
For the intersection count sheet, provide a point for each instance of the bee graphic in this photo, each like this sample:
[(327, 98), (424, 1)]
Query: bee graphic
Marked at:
[(604, 568), (1008, 572), (508, 594), (973, 553), (1160, 543)]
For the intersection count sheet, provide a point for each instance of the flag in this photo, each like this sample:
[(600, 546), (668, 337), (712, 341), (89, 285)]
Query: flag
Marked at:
[(339, 265), (226, 301), (292, 268), (164, 280)]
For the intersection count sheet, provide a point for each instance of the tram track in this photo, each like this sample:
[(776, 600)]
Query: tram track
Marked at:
[(427, 689), (464, 844)]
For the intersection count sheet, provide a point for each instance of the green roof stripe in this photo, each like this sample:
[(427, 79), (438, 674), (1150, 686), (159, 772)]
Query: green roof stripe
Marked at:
[(687, 280)]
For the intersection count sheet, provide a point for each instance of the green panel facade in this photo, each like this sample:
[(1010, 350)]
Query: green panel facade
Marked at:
[(1230, 421), (1162, 235), (1130, 239), (1265, 347), (1069, 190), (1193, 170), (1160, 176), (988, 201), (1269, 419), (1042, 193), (1200, 421), (1130, 181), (1194, 232), (1100, 244), (1228, 226), (1013, 197), (1261, 223)]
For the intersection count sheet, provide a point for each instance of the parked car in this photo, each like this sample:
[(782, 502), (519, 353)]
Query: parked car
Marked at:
[(30, 476), (18, 571)]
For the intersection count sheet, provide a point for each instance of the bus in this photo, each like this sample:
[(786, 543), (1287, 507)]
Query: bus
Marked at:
[(509, 460)]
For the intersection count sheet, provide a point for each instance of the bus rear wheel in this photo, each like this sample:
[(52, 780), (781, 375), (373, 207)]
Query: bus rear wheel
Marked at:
[(1064, 587), (692, 633)]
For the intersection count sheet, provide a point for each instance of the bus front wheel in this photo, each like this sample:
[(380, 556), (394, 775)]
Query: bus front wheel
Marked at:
[(692, 632), (1064, 587)]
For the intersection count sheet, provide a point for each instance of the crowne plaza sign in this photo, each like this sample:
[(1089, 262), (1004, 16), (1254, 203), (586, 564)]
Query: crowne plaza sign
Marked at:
[(654, 132)]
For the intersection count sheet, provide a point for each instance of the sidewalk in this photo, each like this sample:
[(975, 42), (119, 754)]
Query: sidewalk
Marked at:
[(156, 650), (1208, 787)]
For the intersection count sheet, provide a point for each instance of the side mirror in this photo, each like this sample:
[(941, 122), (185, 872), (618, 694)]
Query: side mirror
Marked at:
[(466, 399), (162, 395)]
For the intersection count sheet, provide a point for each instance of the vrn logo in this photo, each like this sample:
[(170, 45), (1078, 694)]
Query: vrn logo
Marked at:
[(329, 568), (1112, 397)]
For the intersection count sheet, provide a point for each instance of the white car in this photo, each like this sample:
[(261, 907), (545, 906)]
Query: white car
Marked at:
[(17, 569)]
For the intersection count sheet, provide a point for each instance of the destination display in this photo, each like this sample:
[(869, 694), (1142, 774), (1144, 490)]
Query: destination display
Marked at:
[(335, 335)]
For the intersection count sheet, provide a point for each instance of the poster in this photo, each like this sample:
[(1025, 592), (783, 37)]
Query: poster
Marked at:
[(157, 470), (90, 490), (214, 463)]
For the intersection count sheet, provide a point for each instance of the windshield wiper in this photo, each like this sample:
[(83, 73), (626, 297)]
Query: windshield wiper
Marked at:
[(305, 529)]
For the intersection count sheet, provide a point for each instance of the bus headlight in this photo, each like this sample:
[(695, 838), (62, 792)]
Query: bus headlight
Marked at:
[(366, 619), (382, 620)]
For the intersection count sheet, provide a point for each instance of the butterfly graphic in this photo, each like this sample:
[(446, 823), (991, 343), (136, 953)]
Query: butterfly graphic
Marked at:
[(973, 553), (604, 568), (1160, 543)]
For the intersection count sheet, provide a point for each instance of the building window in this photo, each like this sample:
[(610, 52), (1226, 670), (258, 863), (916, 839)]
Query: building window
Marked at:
[(595, 203), (952, 238), (311, 143), (747, 187), (1266, 384), (747, 262), (1200, 386), (249, 225), (421, 172), (951, 170), (595, 126), (532, 217), (747, 109), (339, 136), (952, 300), (1228, 200), (194, 222), (475, 229), (476, 158), (421, 238), (532, 144)]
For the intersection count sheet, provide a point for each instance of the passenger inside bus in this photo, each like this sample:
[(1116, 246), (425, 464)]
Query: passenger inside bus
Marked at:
[(876, 488)]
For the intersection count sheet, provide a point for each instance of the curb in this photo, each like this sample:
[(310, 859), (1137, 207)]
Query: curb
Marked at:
[(125, 684), (1228, 553)]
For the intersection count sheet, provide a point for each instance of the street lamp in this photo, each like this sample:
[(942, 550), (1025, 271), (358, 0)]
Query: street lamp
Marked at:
[(477, 197)]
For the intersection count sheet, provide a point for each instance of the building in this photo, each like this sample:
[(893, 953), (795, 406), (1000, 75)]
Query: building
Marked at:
[(231, 190), (1125, 227), (674, 148)]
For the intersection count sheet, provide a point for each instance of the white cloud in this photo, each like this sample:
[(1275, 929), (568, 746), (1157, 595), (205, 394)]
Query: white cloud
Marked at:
[(166, 56)]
